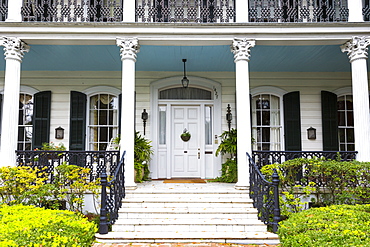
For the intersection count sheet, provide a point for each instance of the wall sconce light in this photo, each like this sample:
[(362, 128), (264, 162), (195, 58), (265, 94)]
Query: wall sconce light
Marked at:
[(144, 117), (185, 80), (229, 116), (59, 133), (311, 133)]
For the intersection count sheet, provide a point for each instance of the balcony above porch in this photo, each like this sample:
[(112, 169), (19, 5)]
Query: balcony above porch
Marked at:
[(178, 11)]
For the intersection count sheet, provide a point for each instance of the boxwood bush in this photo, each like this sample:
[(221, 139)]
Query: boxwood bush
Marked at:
[(32, 226), (337, 225)]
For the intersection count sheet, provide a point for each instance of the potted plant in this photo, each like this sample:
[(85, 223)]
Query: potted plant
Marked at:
[(142, 152), (185, 136)]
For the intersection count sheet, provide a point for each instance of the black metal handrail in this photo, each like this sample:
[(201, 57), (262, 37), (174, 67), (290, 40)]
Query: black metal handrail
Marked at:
[(265, 195), (262, 158), (96, 161), (111, 201)]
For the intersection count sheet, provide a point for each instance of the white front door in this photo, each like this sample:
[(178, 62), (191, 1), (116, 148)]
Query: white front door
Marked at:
[(185, 155)]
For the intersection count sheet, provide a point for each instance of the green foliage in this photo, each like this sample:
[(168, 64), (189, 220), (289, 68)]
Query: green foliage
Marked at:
[(344, 182), (22, 185), (51, 147), (337, 225), (72, 184), (142, 152), (29, 186), (228, 147), (228, 144), (30, 226), (186, 133), (229, 172)]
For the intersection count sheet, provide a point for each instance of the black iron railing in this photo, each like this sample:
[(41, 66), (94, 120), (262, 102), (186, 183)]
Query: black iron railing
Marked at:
[(112, 193), (200, 11), (72, 10), (265, 195), (96, 161), (262, 158), (298, 11)]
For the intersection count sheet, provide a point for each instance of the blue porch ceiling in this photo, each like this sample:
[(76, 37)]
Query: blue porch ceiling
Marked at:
[(169, 58)]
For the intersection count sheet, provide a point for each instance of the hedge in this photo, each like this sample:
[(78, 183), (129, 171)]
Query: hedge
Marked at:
[(337, 225), (32, 226)]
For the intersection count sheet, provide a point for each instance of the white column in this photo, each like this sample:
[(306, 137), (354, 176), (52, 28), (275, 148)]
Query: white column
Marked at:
[(129, 8), (357, 53), (14, 11), (14, 49), (129, 48), (242, 11), (355, 11), (241, 49)]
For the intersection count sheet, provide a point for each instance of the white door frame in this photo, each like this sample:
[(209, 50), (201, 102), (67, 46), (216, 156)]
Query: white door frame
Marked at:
[(158, 164)]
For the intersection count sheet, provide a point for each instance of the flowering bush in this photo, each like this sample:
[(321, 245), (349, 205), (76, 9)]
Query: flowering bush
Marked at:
[(30, 226), (23, 185), (337, 225)]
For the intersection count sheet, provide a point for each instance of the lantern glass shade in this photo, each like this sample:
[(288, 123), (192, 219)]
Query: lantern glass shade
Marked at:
[(59, 133), (311, 133), (144, 115), (185, 82)]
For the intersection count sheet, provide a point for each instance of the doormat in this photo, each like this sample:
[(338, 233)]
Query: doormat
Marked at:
[(195, 180)]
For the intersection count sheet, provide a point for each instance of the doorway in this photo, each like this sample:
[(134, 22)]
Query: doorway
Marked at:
[(197, 110)]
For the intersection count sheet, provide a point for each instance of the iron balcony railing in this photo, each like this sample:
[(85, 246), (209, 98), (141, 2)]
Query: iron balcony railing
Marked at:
[(298, 10), (97, 161), (112, 193), (191, 11), (265, 195), (262, 158)]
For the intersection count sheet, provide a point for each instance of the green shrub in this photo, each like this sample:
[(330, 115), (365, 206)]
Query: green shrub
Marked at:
[(329, 181), (227, 147), (31, 226), (337, 225)]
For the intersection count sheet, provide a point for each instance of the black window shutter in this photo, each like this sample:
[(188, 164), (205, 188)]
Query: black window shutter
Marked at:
[(77, 121), (329, 121), (1, 109), (119, 113), (41, 118), (292, 122)]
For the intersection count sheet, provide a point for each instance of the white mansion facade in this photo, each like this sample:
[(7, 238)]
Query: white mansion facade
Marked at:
[(93, 66)]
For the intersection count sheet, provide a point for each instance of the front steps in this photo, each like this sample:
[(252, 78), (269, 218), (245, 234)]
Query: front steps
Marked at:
[(212, 212)]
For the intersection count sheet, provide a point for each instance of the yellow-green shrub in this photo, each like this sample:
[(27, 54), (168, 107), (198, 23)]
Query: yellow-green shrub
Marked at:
[(31, 226), (337, 225)]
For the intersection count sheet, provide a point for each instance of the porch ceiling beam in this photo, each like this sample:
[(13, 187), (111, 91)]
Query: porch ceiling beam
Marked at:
[(176, 34)]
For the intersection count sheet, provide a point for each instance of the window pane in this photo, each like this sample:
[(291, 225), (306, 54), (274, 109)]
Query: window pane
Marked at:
[(208, 125), (266, 122), (342, 118), (349, 102), (25, 118), (342, 135), (162, 125), (350, 118), (350, 135), (103, 120)]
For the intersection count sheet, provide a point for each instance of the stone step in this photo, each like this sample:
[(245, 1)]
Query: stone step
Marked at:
[(156, 204), (140, 215), (173, 236), (190, 228), (189, 221), (189, 210)]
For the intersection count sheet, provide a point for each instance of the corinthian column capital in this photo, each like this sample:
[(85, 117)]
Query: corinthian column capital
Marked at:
[(129, 48), (356, 48), (14, 48), (241, 48)]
